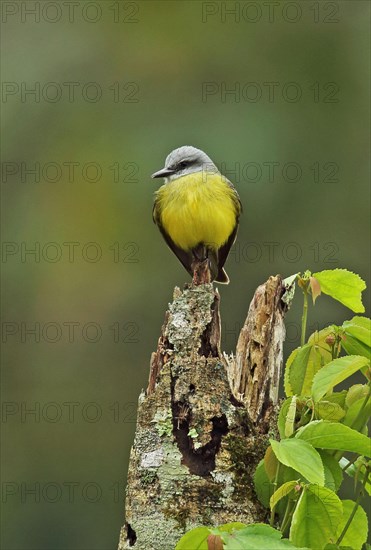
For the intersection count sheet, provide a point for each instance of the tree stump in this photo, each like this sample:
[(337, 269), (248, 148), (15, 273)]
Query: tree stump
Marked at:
[(203, 421)]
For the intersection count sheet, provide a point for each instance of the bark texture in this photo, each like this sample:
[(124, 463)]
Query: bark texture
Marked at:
[(256, 369), (204, 419)]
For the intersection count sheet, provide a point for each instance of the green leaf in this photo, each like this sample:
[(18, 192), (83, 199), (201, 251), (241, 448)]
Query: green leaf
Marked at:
[(240, 541), (228, 527), (328, 411), (333, 435), (282, 417), (290, 418), (301, 366), (304, 362), (295, 370), (333, 471), (294, 411), (301, 457), (256, 537), (352, 346), (359, 328), (195, 539), (264, 488), (262, 484), (357, 468), (281, 492), (261, 529), (335, 547), (351, 418), (337, 397), (356, 534), (358, 391), (286, 474), (344, 286), (270, 463), (334, 373), (318, 339), (316, 517)]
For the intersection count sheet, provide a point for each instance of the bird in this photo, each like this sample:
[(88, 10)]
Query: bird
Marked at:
[(197, 210)]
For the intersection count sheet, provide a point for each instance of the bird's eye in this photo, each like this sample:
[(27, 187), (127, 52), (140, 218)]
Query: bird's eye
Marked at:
[(183, 164)]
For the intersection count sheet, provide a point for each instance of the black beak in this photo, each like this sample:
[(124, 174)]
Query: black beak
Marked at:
[(162, 173)]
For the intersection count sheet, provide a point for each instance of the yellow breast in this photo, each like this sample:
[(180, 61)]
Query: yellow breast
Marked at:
[(197, 208)]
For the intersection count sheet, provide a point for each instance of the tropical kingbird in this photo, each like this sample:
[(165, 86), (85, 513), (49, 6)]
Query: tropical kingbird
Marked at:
[(197, 210)]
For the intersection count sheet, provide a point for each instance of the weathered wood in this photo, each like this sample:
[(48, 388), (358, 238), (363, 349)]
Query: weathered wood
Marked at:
[(198, 438), (255, 370)]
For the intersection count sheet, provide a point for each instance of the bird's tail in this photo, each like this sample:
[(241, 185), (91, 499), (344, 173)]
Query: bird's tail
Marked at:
[(222, 277), (217, 273)]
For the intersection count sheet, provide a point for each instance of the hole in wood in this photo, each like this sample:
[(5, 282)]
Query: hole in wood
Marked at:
[(131, 535), (200, 461)]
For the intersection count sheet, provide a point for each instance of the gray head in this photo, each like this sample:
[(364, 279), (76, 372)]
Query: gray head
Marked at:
[(183, 161)]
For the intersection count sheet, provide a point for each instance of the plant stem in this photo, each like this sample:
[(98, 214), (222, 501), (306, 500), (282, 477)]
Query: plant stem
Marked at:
[(335, 351), (283, 523), (350, 463), (304, 317), (354, 424), (287, 516), (275, 483), (353, 513), (338, 349)]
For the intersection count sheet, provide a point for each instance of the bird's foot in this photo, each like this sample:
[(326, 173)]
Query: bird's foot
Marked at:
[(201, 272)]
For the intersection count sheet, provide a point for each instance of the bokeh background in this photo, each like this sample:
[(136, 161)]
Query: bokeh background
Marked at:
[(161, 71)]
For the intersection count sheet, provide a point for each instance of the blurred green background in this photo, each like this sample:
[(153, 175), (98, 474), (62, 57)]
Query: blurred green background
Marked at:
[(162, 70)]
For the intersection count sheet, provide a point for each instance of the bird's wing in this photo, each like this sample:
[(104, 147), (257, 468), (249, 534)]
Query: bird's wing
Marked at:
[(236, 199), (183, 256), (224, 250)]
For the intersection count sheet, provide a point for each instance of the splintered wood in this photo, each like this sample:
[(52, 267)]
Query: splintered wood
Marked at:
[(255, 371)]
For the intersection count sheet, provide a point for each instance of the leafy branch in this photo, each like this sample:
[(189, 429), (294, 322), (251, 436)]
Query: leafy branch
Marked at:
[(301, 474)]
